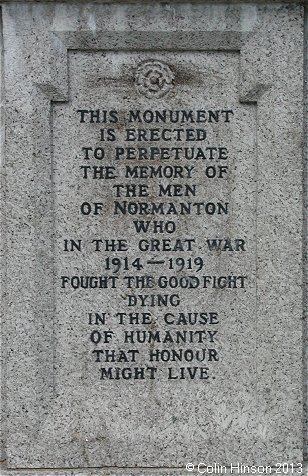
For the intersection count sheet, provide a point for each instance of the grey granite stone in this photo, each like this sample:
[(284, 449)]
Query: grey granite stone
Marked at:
[(136, 472), (305, 239), (61, 58)]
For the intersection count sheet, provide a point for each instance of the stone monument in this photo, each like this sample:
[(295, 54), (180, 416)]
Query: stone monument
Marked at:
[(152, 221)]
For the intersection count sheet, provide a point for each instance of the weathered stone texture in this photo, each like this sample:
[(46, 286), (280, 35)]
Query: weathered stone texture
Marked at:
[(62, 57)]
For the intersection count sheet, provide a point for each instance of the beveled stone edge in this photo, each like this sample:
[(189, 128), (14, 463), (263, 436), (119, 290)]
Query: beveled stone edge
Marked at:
[(113, 471)]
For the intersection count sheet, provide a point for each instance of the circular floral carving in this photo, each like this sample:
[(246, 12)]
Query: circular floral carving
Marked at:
[(153, 79)]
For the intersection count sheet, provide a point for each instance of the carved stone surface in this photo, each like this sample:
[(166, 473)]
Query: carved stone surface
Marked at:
[(153, 79), (185, 120)]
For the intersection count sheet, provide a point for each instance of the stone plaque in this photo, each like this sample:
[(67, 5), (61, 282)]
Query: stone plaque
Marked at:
[(153, 217)]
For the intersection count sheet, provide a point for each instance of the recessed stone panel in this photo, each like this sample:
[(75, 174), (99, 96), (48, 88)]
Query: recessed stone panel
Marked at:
[(154, 178)]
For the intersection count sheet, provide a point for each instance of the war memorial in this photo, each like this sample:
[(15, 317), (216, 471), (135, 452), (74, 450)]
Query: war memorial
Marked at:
[(153, 238)]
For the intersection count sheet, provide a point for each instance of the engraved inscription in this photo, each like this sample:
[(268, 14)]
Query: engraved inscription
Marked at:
[(156, 244)]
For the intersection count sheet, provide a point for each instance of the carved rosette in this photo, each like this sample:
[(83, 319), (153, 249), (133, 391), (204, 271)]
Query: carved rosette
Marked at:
[(153, 79)]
